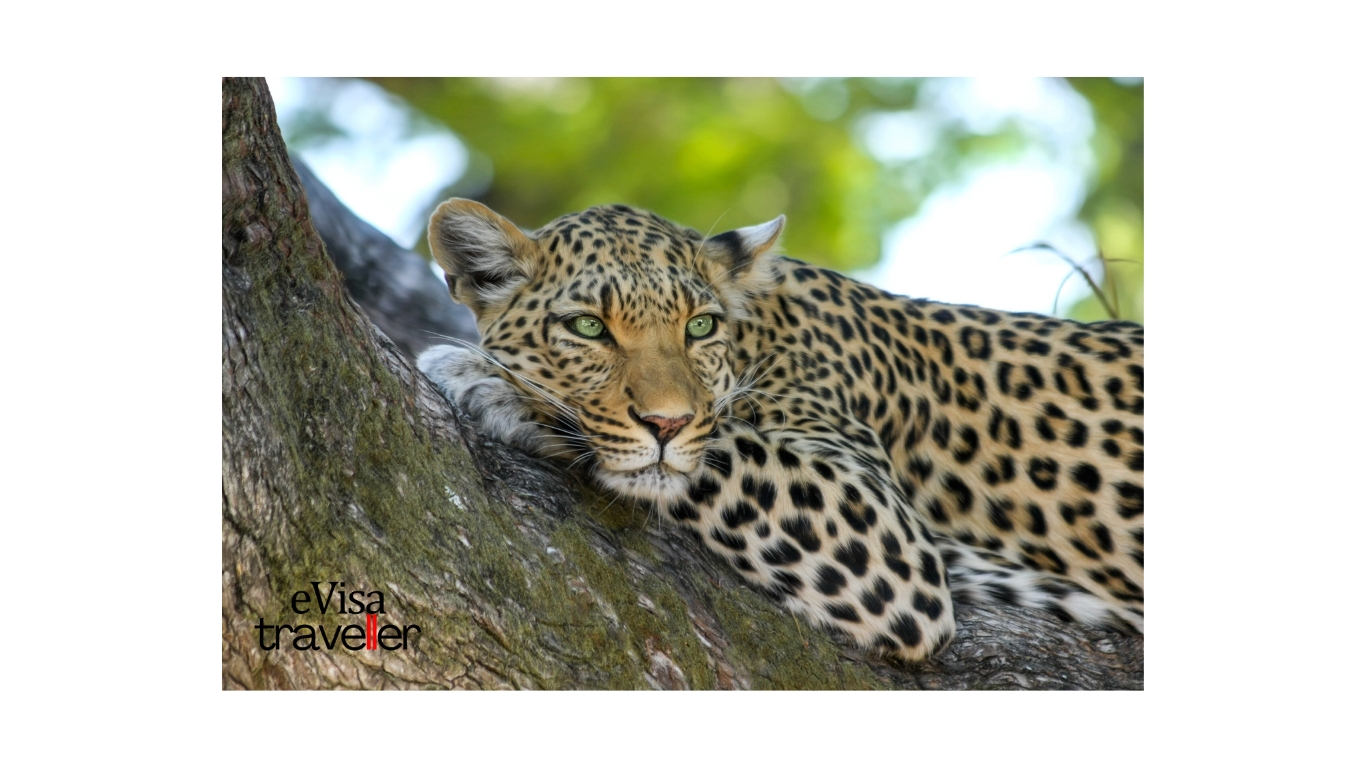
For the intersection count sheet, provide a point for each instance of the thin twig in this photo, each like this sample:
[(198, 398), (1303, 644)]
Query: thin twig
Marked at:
[(1110, 308)]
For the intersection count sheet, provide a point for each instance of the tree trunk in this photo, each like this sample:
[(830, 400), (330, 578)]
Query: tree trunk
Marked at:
[(342, 463)]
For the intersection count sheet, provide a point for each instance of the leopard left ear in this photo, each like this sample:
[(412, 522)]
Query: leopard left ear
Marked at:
[(738, 249), (745, 255)]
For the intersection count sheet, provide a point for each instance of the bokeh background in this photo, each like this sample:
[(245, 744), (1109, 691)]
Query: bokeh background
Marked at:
[(996, 192)]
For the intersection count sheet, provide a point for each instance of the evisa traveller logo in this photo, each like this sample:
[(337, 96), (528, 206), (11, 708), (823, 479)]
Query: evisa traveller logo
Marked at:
[(371, 636)]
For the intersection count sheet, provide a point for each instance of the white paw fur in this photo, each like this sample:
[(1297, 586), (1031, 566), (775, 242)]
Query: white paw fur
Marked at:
[(473, 383)]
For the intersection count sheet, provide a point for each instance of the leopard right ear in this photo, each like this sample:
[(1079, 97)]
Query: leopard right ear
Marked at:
[(486, 257)]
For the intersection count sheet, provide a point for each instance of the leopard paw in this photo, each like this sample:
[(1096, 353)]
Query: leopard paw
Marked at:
[(478, 386)]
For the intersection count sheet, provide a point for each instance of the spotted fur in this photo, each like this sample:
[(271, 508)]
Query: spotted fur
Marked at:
[(863, 457)]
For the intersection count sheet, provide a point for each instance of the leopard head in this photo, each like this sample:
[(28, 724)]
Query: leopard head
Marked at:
[(617, 324)]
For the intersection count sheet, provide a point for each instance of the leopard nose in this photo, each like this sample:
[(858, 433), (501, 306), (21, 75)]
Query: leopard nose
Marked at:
[(662, 427)]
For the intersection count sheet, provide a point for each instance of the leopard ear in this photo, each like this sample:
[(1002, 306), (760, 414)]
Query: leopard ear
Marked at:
[(740, 249), (485, 256), (745, 257)]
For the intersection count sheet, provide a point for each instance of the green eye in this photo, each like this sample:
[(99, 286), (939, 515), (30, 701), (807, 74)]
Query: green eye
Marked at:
[(586, 326), (701, 326)]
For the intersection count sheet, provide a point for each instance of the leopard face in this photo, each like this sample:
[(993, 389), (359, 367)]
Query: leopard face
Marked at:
[(617, 324)]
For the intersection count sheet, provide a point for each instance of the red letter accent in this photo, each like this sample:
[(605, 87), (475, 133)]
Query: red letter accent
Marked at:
[(371, 631)]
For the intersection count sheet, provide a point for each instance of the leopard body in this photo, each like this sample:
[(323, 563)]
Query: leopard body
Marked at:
[(866, 458)]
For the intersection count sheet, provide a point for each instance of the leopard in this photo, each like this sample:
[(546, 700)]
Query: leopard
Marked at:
[(868, 460)]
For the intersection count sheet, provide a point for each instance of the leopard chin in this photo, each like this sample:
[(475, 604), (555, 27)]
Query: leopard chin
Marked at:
[(656, 483)]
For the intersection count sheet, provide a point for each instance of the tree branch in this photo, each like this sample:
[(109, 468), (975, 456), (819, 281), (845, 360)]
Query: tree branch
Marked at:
[(395, 286)]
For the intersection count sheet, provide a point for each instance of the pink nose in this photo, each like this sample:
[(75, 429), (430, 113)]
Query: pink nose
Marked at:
[(662, 427)]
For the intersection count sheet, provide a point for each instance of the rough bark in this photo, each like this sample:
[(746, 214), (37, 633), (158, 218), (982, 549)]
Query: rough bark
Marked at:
[(342, 463)]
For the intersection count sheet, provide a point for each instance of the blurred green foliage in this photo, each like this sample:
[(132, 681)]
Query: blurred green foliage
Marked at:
[(723, 153), (1114, 202)]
